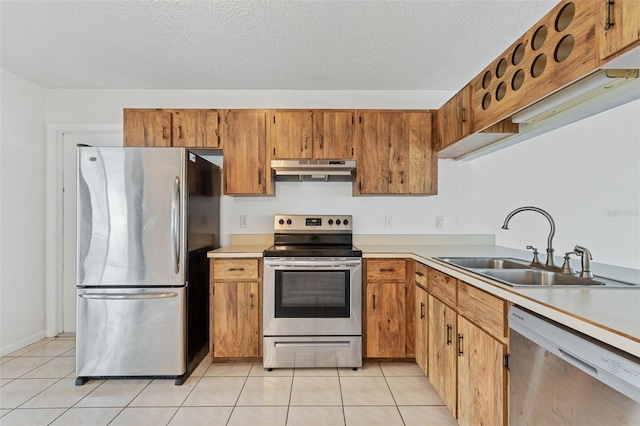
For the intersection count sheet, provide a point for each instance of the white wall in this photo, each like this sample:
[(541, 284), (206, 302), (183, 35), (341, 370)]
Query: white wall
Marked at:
[(415, 215), (586, 175), (22, 171)]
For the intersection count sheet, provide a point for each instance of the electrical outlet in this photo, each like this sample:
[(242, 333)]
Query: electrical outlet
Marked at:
[(441, 222), (388, 221), (244, 221)]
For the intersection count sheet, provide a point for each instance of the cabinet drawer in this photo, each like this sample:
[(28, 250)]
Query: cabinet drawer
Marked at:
[(386, 270), (443, 287), (483, 309), (235, 269), (421, 275)]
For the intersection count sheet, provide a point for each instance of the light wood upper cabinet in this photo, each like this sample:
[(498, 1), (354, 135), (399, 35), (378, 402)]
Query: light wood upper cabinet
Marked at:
[(311, 134), (453, 119), (395, 153), (559, 49), (235, 308), (168, 127), (195, 128), (618, 26), (333, 135), (291, 134), (147, 127), (244, 136), (482, 377)]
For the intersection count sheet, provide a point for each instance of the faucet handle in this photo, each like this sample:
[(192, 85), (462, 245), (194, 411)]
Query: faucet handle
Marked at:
[(535, 260), (566, 266)]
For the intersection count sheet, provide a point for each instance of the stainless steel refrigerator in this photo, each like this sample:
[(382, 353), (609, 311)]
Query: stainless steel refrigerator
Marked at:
[(146, 219)]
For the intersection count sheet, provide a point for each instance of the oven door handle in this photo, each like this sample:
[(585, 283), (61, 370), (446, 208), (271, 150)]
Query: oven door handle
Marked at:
[(312, 265), (332, 344)]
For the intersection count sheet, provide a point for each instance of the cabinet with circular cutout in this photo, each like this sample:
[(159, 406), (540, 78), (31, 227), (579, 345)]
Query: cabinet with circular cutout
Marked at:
[(557, 50)]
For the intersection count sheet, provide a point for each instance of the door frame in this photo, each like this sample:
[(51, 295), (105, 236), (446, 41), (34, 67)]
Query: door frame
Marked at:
[(54, 242)]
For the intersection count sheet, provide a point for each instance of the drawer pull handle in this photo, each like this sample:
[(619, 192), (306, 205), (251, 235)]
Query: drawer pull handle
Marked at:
[(387, 270), (449, 334), (460, 353), (420, 274), (251, 303), (374, 302), (421, 310), (235, 269)]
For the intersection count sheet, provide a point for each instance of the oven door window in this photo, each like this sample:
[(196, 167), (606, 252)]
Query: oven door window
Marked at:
[(312, 294)]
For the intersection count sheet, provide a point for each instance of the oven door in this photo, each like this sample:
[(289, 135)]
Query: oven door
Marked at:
[(312, 297)]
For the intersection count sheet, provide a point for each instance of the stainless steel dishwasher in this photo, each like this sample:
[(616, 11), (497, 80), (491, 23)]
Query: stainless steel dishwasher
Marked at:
[(561, 377)]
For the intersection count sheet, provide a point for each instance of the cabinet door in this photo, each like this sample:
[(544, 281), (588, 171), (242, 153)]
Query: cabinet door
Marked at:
[(244, 141), (420, 170), (195, 128), (453, 118), (147, 127), (619, 25), (333, 135), (291, 134), (374, 135), (385, 320), (481, 377), (235, 318), (395, 153), (422, 330), (442, 352)]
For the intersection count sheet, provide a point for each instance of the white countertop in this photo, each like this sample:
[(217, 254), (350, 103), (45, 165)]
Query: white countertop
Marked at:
[(611, 315)]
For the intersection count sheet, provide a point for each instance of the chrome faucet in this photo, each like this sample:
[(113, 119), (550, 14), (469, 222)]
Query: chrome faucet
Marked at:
[(549, 262), (585, 254)]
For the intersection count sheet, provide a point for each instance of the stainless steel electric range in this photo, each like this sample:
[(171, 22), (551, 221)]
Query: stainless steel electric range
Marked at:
[(312, 313)]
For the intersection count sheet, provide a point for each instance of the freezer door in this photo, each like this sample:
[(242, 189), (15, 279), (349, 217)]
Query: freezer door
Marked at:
[(131, 210), (132, 332)]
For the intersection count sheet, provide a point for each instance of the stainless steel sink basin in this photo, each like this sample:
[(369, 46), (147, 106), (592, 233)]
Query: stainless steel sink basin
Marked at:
[(519, 273), (536, 277), (486, 262)]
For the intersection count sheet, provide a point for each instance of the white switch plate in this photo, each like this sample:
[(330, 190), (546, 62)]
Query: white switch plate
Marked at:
[(441, 222), (244, 221), (388, 221)]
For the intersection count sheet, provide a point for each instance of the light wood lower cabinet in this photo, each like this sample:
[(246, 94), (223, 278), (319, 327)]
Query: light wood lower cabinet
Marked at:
[(468, 335), (422, 328), (235, 319), (385, 326), (235, 308), (482, 377), (442, 352)]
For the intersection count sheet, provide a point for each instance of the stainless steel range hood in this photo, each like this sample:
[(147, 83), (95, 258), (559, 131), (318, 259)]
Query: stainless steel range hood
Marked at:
[(314, 170)]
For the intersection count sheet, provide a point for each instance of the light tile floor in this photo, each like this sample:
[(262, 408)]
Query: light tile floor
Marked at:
[(37, 387)]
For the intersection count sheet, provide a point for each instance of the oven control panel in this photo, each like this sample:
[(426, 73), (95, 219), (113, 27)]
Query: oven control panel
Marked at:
[(313, 223)]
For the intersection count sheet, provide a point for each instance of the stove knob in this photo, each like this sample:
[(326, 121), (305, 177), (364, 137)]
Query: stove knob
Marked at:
[(337, 221), (330, 222), (346, 222), (281, 221), (288, 221)]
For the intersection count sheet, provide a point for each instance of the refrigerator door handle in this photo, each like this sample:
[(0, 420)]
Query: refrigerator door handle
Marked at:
[(128, 296), (175, 225)]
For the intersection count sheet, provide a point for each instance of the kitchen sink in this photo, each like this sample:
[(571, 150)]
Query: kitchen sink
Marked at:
[(537, 277), (486, 262), (519, 273)]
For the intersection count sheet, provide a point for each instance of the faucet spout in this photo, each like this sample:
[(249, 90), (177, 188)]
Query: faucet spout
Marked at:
[(552, 232)]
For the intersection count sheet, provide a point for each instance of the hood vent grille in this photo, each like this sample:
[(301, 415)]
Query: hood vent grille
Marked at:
[(314, 170)]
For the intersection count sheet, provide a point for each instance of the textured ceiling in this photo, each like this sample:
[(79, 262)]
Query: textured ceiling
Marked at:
[(256, 44)]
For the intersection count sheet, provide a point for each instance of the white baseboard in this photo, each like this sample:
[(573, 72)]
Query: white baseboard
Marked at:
[(12, 347)]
